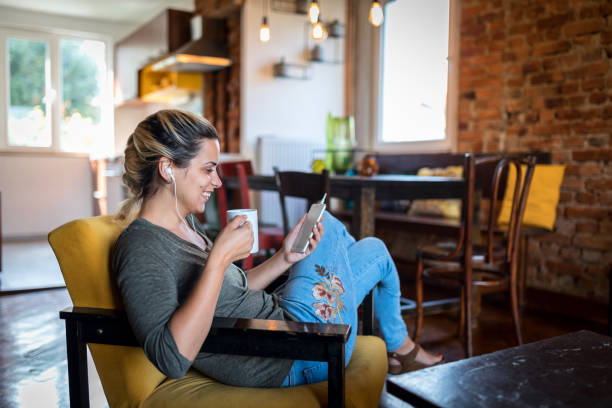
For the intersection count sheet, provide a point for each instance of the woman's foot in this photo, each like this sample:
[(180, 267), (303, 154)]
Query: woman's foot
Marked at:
[(411, 357)]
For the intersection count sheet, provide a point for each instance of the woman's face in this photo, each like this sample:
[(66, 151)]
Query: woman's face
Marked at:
[(196, 182)]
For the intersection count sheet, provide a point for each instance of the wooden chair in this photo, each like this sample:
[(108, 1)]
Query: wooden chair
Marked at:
[(310, 186), (83, 249), (492, 264), (270, 237)]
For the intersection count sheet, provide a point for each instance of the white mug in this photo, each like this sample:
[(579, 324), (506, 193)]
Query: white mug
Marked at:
[(252, 218)]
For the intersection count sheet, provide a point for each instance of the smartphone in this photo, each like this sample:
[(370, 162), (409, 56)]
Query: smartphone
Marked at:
[(314, 215)]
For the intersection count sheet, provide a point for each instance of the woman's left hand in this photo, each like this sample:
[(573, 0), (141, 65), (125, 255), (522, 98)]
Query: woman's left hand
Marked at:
[(293, 257)]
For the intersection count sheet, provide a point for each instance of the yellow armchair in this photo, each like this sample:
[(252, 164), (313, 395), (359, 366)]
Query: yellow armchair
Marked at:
[(83, 248)]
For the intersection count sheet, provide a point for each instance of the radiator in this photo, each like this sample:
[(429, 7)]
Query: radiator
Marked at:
[(287, 155)]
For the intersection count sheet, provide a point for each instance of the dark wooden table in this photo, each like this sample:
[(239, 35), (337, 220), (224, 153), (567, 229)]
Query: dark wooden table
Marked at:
[(364, 191), (573, 370)]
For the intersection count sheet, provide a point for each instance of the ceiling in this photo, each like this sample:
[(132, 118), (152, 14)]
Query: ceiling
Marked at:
[(124, 11)]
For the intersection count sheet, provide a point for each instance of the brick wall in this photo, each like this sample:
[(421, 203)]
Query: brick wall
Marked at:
[(537, 75)]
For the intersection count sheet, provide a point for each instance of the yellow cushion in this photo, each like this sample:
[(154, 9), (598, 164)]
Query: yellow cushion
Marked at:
[(435, 207), (364, 376), (543, 197), (83, 249)]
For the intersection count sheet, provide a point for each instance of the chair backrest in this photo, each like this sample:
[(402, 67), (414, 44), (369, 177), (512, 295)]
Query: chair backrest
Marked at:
[(521, 188), (240, 170), (83, 250), (310, 186)]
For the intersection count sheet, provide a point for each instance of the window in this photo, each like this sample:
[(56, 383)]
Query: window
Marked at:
[(58, 96), (414, 75)]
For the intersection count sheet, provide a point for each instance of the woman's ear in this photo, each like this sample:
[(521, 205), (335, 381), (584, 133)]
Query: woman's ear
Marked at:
[(164, 168)]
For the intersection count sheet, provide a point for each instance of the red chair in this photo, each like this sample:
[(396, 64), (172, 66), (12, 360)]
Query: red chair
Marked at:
[(270, 237)]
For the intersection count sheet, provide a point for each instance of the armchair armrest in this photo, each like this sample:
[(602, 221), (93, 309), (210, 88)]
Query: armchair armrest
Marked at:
[(256, 337)]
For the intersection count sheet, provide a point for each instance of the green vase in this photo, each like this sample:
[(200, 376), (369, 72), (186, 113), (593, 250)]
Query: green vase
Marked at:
[(340, 143)]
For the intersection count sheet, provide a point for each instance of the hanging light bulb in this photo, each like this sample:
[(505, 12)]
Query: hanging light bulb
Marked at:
[(319, 33), (264, 31), (376, 14), (313, 12)]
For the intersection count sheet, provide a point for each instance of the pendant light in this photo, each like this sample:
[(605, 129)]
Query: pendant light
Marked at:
[(264, 30), (376, 14), (313, 12), (319, 32)]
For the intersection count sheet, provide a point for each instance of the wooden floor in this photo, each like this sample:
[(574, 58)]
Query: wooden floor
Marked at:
[(33, 370)]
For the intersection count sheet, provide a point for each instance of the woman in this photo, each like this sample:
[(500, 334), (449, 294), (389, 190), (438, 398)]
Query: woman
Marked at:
[(173, 280)]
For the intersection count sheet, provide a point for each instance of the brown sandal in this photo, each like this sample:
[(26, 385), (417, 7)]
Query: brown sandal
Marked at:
[(407, 362)]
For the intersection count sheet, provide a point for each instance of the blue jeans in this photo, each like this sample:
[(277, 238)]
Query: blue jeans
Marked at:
[(329, 285)]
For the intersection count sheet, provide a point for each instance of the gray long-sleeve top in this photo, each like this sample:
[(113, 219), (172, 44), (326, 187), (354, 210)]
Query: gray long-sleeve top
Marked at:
[(156, 271)]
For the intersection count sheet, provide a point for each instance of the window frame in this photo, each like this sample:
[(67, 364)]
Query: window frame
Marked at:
[(449, 143), (52, 38)]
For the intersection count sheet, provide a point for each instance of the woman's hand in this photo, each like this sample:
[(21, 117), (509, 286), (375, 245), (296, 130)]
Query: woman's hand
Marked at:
[(235, 241), (293, 257)]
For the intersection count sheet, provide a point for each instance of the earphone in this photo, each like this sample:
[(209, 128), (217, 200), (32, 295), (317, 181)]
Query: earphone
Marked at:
[(168, 171)]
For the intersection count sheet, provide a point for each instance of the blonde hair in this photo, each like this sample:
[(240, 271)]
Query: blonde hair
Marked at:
[(170, 133)]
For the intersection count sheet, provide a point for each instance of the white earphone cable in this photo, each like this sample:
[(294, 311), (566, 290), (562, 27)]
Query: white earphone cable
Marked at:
[(191, 232)]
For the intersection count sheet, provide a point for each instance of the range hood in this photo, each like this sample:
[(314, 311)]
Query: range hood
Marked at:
[(208, 53)]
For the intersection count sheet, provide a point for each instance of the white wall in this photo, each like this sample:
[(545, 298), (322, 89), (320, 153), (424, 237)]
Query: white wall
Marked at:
[(41, 192), (287, 108)]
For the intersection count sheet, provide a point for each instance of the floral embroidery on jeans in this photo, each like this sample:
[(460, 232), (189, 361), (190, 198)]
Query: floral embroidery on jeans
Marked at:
[(330, 290)]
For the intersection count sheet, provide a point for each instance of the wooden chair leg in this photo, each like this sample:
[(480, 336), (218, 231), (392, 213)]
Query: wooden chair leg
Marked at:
[(335, 374), (514, 301), (77, 366), (461, 317), (467, 302), (419, 299)]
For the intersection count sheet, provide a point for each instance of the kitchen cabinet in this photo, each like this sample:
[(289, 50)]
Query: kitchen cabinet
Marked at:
[(163, 34)]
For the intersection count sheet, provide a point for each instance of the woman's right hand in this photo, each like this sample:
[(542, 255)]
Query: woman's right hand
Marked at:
[(235, 241)]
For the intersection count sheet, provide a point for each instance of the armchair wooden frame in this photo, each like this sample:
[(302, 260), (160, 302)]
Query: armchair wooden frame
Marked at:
[(254, 337)]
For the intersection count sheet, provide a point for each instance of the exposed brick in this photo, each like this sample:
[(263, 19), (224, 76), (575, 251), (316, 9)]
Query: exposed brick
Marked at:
[(569, 253), (554, 238), (591, 169), (605, 198), (576, 101), (585, 198), (591, 256), (564, 268), (592, 154), (553, 22), (598, 242), (586, 226), (585, 27), (586, 212), (598, 98), (572, 183), (554, 129), (551, 48), (605, 227), (567, 114), (597, 68), (593, 83), (569, 88), (573, 141), (599, 183), (551, 103)]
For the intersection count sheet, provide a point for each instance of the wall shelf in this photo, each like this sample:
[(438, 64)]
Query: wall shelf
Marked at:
[(292, 71)]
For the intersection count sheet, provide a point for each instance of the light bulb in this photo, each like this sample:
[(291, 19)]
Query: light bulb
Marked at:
[(264, 31), (376, 14), (313, 12), (319, 32)]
